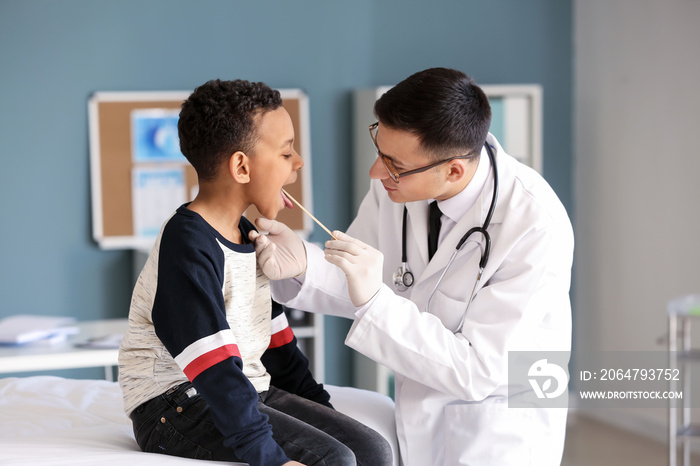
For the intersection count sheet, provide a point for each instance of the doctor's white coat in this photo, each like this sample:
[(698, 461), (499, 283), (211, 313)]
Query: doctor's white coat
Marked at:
[(452, 388)]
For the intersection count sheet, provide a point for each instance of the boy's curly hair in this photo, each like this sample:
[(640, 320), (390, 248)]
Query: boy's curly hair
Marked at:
[(219, 118)]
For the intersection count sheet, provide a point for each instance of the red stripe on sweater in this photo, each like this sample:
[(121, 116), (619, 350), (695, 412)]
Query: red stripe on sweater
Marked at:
[(281, 338), (208, 359)]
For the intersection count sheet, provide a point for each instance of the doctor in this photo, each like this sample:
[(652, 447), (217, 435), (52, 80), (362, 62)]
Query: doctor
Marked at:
[(440, 322)]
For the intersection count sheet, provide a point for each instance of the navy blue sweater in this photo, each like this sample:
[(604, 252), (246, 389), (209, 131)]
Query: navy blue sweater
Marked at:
[(189, 316)]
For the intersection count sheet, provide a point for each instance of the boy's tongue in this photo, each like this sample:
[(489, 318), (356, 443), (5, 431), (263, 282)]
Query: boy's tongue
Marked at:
[(287, 203)]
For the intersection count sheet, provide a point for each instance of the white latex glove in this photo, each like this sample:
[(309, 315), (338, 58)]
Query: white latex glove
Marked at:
[(280, 253), (361, 263)]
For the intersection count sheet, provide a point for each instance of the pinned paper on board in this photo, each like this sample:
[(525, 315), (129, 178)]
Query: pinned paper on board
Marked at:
[(154, 135), (156, 193)]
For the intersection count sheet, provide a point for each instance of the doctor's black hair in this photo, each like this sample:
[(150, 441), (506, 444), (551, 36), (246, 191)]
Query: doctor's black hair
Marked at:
[(445, 108), (220, 118)]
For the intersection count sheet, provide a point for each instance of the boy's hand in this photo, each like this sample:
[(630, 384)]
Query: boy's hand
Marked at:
[(281, 253), (293, 463), (361, 263)]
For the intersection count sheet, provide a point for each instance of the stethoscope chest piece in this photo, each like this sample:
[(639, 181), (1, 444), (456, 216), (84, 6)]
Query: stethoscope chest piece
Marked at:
[(403, 278)]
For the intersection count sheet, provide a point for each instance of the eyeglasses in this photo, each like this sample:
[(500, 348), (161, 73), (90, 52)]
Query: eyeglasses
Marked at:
[(393, 172)]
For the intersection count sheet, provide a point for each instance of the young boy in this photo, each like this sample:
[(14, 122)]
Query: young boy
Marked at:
[(209, 367)]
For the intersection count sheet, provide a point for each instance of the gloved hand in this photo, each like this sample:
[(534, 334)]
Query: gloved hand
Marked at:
[(280, 253), (361, 263)]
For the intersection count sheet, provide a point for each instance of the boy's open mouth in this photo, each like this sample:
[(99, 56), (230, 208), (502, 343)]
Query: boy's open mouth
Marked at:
[(287, 202)]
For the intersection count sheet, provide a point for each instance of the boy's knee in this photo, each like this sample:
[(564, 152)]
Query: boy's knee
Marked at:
[(385, 454), (340, 456), (380, 452), (376, 452)]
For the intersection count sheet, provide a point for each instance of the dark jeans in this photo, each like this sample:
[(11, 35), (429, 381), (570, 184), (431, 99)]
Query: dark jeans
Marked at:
[(180, 423)]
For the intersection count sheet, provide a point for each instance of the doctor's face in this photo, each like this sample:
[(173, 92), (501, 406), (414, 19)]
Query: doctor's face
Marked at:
[(403, 150)]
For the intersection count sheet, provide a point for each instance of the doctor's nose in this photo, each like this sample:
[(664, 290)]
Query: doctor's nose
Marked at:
[(378, 170)]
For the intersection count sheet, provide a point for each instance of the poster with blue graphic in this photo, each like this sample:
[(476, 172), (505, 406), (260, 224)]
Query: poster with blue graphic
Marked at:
[(154, 135)]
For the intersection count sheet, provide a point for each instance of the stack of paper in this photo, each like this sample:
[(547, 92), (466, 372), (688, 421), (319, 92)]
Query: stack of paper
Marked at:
[(22, 329), (112, 340)]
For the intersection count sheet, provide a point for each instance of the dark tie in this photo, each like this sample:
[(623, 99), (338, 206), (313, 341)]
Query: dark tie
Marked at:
[(433, 229)]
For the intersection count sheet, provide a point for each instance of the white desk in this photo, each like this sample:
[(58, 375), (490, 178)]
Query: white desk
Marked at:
[(66, 355)]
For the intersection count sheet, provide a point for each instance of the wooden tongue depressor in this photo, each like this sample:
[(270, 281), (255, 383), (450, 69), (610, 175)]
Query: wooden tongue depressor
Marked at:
[(309, 214)]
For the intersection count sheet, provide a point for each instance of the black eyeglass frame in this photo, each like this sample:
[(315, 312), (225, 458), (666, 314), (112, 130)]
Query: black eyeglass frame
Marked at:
[(393, 172)]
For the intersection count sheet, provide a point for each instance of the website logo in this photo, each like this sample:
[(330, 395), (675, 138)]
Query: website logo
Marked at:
[(542, 375), (538, 379)]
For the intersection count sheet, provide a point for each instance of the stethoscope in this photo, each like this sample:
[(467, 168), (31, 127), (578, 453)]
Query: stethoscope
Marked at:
[(403, 278)]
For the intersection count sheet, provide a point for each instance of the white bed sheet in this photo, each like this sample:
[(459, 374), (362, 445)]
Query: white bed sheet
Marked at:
[(56, 421)]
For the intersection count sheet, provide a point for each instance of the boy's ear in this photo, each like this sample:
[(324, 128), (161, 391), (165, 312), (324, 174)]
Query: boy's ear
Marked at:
[(239, 167)]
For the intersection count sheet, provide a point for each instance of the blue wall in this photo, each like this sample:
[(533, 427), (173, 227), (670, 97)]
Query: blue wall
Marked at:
[(54, 54)]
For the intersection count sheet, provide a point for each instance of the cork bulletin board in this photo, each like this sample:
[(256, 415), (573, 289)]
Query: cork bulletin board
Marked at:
[(134, 190)]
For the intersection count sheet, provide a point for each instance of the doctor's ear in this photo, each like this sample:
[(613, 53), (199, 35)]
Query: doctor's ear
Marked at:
[(457, 169), (239, 167)]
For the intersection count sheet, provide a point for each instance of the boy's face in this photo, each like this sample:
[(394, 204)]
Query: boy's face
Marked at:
[(273, 163)]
